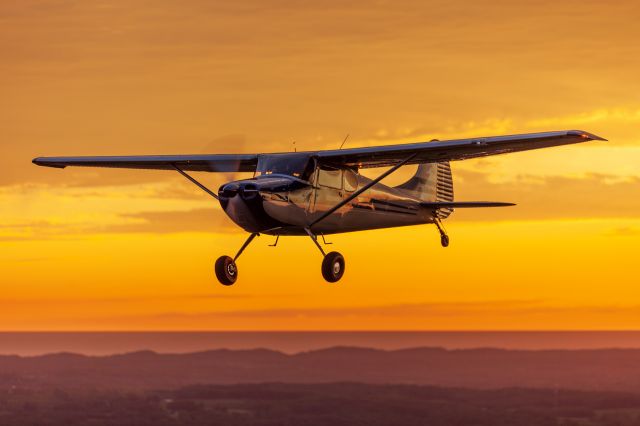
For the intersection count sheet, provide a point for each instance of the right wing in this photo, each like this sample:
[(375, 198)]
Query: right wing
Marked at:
[(451, 150), (196, 163)]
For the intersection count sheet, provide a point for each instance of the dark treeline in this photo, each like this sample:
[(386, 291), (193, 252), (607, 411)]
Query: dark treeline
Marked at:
[(317, 404), (337, 386)]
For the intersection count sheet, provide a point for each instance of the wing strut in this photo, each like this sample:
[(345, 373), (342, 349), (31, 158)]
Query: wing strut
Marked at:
[(195, 182), (361, 190)]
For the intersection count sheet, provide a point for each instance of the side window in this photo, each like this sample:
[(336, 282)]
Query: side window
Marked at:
[(350, 181), (330, 178), (313, 178)]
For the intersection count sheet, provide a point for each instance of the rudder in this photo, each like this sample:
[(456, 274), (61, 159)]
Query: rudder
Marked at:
[(432, 182)]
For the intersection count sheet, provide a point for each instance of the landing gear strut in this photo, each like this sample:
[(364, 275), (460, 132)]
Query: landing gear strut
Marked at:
[(444, 238), (332, 263), (226, 268)]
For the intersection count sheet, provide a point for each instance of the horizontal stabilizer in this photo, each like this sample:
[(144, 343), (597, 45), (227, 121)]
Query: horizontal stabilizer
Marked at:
[(463, 204)]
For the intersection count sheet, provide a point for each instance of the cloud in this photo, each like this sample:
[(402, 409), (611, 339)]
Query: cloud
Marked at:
[(139, 77), (613, 115), (625, 231), (199, 220), (495, 315), (537, 198), (129, 299), (548, 197), (40, 230), (619, 124), (409, 309), (124, 78), (47, 211), (444, 130), (212, 220)]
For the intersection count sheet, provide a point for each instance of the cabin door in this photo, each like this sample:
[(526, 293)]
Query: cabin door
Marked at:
[(328, 189)]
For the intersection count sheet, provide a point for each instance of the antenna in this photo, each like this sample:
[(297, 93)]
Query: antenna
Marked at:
[(294, 147), (345, 139)]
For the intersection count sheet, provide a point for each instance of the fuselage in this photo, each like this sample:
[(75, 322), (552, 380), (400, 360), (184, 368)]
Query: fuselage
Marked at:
[(285, 204)]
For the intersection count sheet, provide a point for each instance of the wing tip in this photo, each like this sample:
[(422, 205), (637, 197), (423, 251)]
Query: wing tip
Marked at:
[(587, 136), (498, 204), (44, 162)]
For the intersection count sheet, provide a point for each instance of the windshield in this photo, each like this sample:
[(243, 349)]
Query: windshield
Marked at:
[(297, 165)]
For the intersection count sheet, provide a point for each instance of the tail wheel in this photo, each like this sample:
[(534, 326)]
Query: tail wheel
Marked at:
[(333, 267), (444, 240), (226, 270)]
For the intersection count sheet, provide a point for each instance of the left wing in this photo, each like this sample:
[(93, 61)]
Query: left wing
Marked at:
[(460, 149), (196, 163)]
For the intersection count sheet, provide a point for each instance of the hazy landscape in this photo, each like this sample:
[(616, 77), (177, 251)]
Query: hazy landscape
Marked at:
[(338, 385), (318, 404), (598, 370)]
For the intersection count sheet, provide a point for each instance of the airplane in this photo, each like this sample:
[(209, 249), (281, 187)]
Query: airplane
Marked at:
[(317, 193)]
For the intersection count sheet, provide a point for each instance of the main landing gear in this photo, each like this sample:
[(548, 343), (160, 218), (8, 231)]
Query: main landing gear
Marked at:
[(444, 238), (332, 263), (332, 266)]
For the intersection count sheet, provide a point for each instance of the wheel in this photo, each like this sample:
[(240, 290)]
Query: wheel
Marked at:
[(333, 267), (226, 270), (444, 240)]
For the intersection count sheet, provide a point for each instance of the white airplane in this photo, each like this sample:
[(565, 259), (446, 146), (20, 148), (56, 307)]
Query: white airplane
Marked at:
[(316, 193)]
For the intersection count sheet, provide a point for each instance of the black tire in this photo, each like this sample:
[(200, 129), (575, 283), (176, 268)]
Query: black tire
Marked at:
[(226, 270), (333, 267), (444, 240)]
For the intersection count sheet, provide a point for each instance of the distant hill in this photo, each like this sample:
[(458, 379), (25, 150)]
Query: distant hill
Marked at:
[(335, 404), (606, 369)]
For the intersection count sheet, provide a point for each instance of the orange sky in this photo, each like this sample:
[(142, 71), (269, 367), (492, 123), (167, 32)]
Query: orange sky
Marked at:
[(116, 249)]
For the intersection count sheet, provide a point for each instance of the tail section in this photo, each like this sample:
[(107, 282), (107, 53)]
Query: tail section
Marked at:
[(433, 186), (432, 183)]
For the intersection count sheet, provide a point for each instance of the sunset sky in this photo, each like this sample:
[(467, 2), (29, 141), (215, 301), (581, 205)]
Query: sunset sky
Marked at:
[(90, 249)]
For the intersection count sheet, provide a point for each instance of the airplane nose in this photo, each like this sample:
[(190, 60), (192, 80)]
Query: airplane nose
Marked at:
[(246, 190), (229, 190), (249, 191), (242, 202)]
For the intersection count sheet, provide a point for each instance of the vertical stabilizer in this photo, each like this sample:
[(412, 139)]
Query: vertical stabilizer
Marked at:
[(432, 182)]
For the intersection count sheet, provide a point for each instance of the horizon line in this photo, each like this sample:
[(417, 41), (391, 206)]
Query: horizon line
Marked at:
[(333, 331)]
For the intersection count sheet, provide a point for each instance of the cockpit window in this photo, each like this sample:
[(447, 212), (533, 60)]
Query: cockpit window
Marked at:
[(297, 165), (350, 180), (331, 178)]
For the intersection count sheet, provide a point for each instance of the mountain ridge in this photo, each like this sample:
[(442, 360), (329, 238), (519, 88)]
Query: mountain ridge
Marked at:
[(482, 368)]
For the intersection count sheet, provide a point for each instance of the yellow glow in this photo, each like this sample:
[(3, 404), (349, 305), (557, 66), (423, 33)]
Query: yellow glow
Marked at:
[(86, 249)]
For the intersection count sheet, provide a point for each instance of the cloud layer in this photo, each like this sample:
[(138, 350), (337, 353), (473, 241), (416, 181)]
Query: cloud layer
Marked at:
[(140, 77)]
